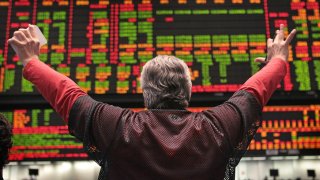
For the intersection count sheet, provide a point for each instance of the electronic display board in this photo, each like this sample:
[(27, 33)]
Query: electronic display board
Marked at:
[(102, 45), (40, 134)]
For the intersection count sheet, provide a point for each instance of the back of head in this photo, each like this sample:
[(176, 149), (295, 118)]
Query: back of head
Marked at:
[(166, 83), (5, 140)]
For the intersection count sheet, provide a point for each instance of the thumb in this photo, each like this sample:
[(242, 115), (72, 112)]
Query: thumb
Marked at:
[(260, 60)]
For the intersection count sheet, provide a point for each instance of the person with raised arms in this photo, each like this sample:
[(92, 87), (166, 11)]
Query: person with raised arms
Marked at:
[(165, 141)]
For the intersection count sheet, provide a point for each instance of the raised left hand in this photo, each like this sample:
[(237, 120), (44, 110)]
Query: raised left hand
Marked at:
[(26, 44)]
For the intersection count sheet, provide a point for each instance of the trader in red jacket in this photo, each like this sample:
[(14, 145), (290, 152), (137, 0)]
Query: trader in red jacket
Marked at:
[(166, 141)]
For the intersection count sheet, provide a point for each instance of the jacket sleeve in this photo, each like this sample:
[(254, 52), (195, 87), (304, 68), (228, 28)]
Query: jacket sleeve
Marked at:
[(96, 124), (264, 83), (239, 118), (242, 111), (60, 91), (92, 122)]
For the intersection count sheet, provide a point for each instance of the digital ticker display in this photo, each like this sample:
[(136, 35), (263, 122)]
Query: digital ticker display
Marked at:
[(39, 134), (102, 45)]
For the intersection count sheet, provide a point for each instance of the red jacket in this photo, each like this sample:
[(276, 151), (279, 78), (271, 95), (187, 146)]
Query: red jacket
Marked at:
[(161, 144)]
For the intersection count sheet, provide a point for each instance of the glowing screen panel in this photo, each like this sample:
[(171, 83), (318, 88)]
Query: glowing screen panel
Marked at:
[(102, 45)]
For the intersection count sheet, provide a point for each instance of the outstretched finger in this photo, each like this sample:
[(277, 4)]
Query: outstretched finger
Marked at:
[(260, 60), (276, 36), (280, 34), (269, 43), (290, 37)]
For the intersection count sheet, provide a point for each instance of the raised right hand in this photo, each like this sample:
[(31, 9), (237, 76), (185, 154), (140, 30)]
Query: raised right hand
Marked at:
[(279, 47), (26, 44)]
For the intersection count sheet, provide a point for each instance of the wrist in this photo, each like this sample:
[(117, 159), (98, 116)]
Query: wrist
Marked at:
[(279, 57), (27, 60)]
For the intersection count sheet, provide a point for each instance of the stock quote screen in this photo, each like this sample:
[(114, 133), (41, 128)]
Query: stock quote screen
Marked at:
[(102, 45), (39, 134)]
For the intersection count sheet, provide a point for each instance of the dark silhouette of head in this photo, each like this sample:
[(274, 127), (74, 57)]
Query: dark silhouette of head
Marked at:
[(5, 140)]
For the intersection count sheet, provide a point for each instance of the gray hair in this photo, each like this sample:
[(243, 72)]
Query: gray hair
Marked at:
[(166, 83)]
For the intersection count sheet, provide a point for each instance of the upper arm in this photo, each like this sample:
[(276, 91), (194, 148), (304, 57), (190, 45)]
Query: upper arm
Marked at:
[(95, 123), (238, 119), (105, 122)]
